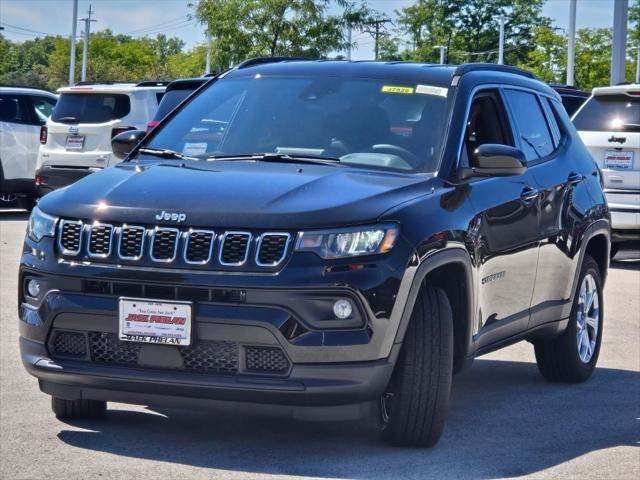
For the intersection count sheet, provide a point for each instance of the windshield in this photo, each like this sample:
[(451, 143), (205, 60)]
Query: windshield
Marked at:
[(363, 122), (90, 107), (609, 113)]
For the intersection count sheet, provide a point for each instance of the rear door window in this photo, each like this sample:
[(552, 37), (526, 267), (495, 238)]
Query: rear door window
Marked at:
[(609, 113), (535, 139), (91, 107), (42, 108)]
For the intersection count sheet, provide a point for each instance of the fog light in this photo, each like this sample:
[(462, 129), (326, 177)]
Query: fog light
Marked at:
[(33, 287), (342, 309)]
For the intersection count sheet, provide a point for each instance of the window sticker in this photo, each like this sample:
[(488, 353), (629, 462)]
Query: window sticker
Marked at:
[(195, 148), (429, 90), (397, 89)]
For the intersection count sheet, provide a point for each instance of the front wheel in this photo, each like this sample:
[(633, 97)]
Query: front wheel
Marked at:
[(414, 407), (572, 356)]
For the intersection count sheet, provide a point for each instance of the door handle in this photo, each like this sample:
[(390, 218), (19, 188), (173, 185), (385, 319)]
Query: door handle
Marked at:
[(529, 194), (574, 178)]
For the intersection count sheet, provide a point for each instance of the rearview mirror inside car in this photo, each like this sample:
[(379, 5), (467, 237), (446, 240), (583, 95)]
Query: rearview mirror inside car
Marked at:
[(124, 142)]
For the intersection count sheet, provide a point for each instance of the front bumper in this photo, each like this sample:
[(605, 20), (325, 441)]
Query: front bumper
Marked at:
[(327, 367)]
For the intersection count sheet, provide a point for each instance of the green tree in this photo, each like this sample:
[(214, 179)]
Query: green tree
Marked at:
[(548, 59), (241, 29)]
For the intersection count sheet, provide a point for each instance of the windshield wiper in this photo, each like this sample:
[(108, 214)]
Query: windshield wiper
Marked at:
[(165, 153), (279, 157)]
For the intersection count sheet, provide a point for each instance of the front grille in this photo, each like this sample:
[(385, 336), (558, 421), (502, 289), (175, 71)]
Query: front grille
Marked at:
[(211, 356), (192, 248), (131, 242), (165, 244), (100, 240), (266, 360), (69, 344), (235, 248), (272, 248), (70, 236), (204, 356), (199, 246), (106, 348)]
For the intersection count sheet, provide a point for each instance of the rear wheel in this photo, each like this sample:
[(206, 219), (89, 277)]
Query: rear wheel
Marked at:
[(572, 356), (414, 407), (78, 408)]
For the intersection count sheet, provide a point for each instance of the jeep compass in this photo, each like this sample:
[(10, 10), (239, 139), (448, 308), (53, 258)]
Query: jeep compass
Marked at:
[(321, 240)]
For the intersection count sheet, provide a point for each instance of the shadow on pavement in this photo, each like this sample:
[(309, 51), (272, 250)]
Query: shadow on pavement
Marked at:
[(13, 215), (505, 421)]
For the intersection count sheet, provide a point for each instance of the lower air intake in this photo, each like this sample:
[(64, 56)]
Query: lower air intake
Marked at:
[(266, 360)]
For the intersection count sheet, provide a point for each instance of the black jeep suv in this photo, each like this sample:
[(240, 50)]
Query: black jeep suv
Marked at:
[(322, 239)]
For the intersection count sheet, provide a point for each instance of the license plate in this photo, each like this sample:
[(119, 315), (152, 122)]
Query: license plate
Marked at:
[(149, 321), (74, 142), (619, 160)]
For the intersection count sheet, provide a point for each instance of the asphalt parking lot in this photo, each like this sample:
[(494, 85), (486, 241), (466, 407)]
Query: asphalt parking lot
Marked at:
[(505, 420)]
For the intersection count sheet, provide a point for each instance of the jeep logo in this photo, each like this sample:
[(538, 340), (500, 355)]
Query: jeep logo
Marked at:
[(614, 139), (171, 216)]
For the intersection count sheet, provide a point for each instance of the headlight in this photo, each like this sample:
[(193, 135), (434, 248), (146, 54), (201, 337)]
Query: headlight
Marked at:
[(349, 242), (41, 225)]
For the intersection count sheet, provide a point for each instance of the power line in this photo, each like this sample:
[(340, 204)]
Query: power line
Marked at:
[(179, 19), (27, 29)]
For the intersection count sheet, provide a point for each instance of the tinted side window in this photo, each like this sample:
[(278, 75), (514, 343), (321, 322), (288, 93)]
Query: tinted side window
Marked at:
[(487, 123), (13, 109), (535, 138), (42, 108)]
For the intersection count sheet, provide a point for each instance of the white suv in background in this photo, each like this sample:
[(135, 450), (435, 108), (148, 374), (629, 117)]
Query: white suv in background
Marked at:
[(77, 138), (609, 125), (22, 112)]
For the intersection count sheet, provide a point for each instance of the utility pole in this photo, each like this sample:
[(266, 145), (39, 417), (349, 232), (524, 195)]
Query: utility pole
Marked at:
[(207, 68), (571, 44), (85, 48), (502, 19), (72, 59), (377, 32), (349, 29), (619, 53), (442, 50), (638, 67)]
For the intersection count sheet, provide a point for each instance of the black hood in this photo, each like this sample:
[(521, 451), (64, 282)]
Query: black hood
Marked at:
[(236, 194)]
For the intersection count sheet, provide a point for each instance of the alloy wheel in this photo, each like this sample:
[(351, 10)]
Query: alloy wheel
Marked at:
[(588, 318)]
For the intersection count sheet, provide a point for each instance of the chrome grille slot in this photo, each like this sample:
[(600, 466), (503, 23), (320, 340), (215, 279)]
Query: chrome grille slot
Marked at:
[(272, 249), (199, 246), (164, 244), (99, 241), (131, 245), (70, 237), (234, 248)]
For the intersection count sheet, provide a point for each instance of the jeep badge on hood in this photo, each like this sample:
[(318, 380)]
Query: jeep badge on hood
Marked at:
[(173, 216)]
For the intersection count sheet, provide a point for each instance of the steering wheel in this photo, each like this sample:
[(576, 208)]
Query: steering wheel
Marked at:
[(398, 151)]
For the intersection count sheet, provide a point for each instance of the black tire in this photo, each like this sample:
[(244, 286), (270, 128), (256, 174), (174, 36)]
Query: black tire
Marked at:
[(559, 359), (414, 407), (78, 408)]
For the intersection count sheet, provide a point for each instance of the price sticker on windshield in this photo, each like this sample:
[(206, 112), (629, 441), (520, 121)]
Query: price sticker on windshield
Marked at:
[(397, 89)]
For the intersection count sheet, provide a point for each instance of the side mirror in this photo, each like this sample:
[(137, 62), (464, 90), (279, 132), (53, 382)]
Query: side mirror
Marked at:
[(498, 160), (124, 142)]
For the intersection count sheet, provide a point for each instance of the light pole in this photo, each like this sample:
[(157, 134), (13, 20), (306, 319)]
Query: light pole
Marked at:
[(638, 67), (502, 19), (442, 50), (207, 68), (72, 60), (619, 53), (571, 43)]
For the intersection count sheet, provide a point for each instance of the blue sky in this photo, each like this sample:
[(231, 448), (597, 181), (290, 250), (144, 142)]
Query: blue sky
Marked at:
[(140, 17)]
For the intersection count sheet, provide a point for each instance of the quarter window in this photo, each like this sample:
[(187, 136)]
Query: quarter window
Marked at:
[(535, 137)]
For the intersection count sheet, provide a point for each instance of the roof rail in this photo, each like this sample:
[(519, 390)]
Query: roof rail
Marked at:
[(153, 83), (102, 82), (492, 67), (262, 60)]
